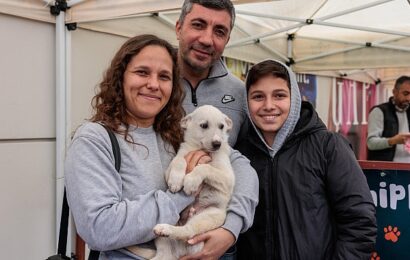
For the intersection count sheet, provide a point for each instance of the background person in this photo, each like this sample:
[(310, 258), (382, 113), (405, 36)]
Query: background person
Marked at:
[(314, 199), (389, 124)]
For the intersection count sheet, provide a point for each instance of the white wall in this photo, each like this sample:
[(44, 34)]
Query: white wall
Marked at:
[(27, 139), (91, 55)]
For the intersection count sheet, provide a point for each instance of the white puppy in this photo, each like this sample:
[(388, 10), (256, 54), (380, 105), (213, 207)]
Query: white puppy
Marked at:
[(204, 129)]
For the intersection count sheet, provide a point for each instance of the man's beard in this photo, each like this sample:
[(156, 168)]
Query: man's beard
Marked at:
[(402, 107), (197, 66)]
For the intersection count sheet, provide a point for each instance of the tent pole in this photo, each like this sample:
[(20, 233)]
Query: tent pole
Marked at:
[(273, 51), (290, 39), (74, 2), (262, 35), (371, 76), (324, 54), (361, 28), (60, 115), (271, 16), (391, 47), (68, 86), (376, 44), (264, 45), (363, 44), (63, 100), (355, 9), (166, 20)]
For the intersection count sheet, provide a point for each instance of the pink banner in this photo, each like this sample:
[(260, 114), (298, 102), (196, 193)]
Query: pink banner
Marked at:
[(350, 104)]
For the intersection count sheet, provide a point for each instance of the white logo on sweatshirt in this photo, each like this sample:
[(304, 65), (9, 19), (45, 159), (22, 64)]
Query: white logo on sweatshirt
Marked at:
[(227, 98)]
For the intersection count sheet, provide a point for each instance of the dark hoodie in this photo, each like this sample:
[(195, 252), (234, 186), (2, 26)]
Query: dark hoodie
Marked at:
[(314, 201)]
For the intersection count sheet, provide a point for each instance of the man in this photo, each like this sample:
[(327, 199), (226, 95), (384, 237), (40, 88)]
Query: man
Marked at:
[(389, 125), (203, 30)]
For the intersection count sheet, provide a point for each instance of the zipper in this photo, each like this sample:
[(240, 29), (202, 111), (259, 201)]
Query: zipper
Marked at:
[(272, 225), (193, 97)]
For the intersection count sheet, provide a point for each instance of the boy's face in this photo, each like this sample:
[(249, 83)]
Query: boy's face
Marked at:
[(269, 105), (202, 36)]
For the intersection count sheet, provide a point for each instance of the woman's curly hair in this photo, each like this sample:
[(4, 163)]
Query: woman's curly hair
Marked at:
[(109, 103)]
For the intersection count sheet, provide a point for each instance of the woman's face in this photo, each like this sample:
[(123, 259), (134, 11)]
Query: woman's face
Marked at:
[(269, 105), (147, 85)]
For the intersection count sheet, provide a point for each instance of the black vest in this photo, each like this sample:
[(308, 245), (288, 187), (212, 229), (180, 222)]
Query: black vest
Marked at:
[(391, 128)]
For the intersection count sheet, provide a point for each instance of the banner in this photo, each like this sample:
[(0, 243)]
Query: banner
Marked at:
[(390, 190), (237, 67), (308, 87), (349, 108)]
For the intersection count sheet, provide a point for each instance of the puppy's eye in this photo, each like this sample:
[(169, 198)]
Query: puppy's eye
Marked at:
[(221, 126), (204, 125)]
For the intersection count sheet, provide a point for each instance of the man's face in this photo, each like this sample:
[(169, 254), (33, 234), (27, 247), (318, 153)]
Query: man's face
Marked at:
[(202, 37), (402, 95)]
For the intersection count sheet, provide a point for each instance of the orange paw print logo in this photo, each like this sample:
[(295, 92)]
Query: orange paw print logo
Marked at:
[(391, 234), (374, 256)]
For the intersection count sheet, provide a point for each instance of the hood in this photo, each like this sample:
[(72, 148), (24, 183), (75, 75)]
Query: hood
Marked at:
[(293, 117), (309, 122)]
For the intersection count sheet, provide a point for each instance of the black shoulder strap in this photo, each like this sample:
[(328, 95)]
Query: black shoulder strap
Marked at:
[(62, 239), (94, 255), (115, 148)]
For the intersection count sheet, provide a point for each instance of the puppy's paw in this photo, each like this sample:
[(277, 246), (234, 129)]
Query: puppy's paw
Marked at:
[(175, 181), (163, 230), (191, 183)]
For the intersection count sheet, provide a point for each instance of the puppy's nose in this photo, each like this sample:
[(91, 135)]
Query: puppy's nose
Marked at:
[(216, 144)]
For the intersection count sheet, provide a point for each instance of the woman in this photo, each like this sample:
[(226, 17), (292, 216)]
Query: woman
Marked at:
[(140, 100), (314, 201)]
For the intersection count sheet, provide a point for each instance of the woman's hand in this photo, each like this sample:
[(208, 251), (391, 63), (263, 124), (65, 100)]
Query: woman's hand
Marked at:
[(217, 242), (196, 157)]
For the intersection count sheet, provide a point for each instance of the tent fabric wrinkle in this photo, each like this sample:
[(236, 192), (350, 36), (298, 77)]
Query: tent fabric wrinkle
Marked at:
[(30, 9)]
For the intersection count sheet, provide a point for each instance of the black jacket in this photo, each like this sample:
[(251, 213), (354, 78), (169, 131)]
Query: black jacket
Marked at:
[(314, 201)]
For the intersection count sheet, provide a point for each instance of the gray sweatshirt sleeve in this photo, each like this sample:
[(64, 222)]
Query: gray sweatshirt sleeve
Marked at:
[(242, 206), (103, 218), (375, 141)]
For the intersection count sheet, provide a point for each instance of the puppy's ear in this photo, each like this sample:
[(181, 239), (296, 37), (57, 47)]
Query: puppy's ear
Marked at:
[(184, 122), (228, 123)]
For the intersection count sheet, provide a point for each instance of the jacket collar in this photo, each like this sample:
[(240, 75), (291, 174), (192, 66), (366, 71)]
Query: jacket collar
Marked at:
[(218, 70)]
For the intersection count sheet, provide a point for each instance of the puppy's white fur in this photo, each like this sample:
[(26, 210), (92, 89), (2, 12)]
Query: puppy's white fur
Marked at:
[(204, 129)]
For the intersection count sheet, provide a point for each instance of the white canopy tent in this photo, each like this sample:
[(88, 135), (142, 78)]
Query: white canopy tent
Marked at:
[(341, 38), (367, 40), (333, 36)]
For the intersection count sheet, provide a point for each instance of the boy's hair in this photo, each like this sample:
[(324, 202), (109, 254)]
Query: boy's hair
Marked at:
[(265, 68)]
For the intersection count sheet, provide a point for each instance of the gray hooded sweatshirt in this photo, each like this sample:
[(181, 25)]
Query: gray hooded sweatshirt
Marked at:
[(114, 210)]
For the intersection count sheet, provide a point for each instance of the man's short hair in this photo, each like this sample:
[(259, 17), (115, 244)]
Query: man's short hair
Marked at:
[(400, 81), (212, 4)]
